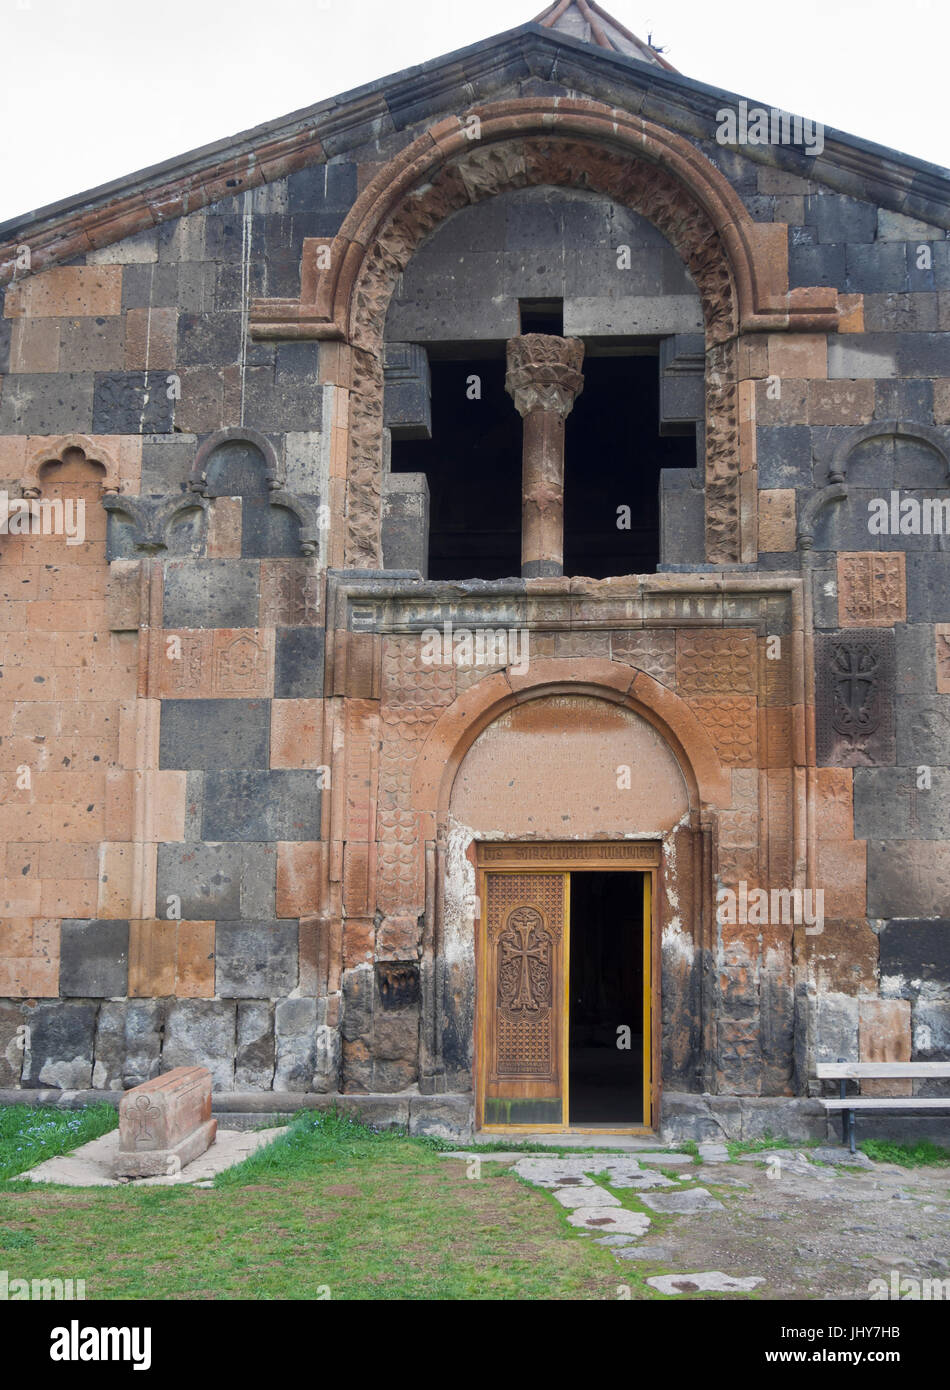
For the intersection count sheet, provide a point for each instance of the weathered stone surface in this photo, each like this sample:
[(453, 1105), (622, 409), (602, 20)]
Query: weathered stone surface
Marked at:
[(610, 1220), (442, 1117), (714, 1282), (201, 1031), (855, 698), (94, 959), (211, 593), (60, 1045), (165, 1123), (295, 1027), (683, 1203), (212, 734), (261, 806), (254, 1057), (255, 960), (915, 951), (223, 882), (128, 1043), (12, 1043)]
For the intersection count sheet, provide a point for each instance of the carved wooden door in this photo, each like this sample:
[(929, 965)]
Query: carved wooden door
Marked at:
[(523, 998)]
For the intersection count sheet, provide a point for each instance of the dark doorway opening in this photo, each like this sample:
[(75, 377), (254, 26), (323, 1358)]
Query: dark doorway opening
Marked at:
[(473, 466), (613, 454), (606, 999)]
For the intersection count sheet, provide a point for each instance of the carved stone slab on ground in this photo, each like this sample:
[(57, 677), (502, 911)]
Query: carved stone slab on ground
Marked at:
[(165, 1124)]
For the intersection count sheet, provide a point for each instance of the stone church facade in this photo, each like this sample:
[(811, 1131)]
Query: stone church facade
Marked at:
[(377, 649)]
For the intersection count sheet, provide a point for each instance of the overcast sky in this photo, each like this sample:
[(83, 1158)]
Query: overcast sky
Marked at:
[(95, 89)]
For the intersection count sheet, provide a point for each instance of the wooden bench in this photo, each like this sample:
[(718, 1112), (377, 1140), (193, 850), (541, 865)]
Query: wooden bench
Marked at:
[(879, 1071)]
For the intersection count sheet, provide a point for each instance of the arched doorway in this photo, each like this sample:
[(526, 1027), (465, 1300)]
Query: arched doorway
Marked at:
[(567, 942)]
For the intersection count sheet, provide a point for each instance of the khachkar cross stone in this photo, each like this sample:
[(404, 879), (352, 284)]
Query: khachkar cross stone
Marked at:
[(544, 380), (524, 967)]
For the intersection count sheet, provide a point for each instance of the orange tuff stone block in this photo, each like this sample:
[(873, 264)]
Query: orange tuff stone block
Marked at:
[(34, 345), (777, 520), (834, 803), (224, 528), (356, 878), (151, 339), (943, 658), (885, 1036), (29, 958), (165, 1124), (850, 313), (840, 402), (872, 588), (171, 959), (67, 292), (358, 941), (181, 667), (842, 875), (70, 897), (801, 355), (296, 737), (299, 870), (242, 662), (942, 401)]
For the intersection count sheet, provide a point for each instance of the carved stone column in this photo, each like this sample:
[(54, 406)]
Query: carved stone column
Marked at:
[(544, 380)]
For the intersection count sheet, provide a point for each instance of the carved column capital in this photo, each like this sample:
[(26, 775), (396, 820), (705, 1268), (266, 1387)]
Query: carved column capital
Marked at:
[(544, 373)]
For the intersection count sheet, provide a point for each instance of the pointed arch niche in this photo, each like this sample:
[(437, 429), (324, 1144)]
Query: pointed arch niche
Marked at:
[(740, 268)]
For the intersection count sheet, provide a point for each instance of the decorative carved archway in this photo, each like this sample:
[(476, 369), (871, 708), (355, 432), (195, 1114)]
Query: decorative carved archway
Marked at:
[(740, 268)]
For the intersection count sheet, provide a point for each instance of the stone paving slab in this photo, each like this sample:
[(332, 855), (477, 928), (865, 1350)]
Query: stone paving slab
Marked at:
[(91, 1164), (610, 1220), (713, 1282), (684, 1203), (585, 1197)]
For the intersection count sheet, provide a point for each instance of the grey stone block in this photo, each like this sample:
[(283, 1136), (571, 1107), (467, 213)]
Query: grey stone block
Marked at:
[(307, 460), (841, 219), (405, 522), (868, 355), (201, 1033), (209, 339), (904, 400), (298, 671), (211, 734), (255, 960), (887, 801), (902, 313), (322, 187), (268, 529), (254, 1061), (132, 403), (94, 959), (60, 1045), (211, 593), (916, 953), (216, 882), (48, 403), (149, 286), (166, 463), (809, 264), (298, 364), (407, 406), (877, 269), (128, 1043), (908, 878), (837, 1028), (931, 1025), (923, 354), (916, 662), (682, 517), (272, 405), (923, 730), (295, 1024), (928, 588), (784, 456), (12, 1042), (442, 1117), (261, 806)]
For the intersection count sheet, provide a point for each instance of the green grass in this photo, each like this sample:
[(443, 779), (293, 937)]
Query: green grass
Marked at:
[(331, 1208), (735, 1147), (28, 1134), (918, 1155)]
